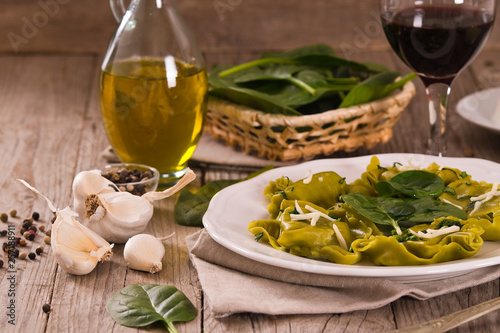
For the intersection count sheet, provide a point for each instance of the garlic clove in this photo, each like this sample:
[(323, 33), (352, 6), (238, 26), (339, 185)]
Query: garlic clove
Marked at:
[(89, 182), (118, 215), (144, 252), (76, 248)]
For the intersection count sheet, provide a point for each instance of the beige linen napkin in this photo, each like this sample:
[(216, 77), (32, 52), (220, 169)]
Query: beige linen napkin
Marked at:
[(235, 284)]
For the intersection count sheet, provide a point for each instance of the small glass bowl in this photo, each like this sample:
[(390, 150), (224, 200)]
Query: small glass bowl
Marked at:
[(134, 178)]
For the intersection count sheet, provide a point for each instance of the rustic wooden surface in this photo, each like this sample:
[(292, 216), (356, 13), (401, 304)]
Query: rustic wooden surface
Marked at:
[(51, 130)]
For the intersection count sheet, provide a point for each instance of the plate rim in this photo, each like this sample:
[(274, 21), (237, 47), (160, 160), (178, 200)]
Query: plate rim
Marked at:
[(484, 123)]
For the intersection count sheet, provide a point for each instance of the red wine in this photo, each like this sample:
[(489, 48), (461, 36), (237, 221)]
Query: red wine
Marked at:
[(437, 42)]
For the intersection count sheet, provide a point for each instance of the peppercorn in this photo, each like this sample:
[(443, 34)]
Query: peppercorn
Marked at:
[(22, 231), (23, 242), (38, 251), (48, 232), (26, 224), (3, 233), (32, 255), (35, 216), (4, 217), (33, 228), (13, 212), (46, 308), (41, 228), (17, 239), (53, 219), (46, 240), (1, 263), (22, 255), (26, 234), (16, 253)]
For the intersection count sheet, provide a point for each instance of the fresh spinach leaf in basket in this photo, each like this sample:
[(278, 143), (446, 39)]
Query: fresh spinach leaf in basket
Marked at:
[(306, 80)]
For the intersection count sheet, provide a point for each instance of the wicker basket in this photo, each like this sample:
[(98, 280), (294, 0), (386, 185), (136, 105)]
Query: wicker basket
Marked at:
[(287, 138)]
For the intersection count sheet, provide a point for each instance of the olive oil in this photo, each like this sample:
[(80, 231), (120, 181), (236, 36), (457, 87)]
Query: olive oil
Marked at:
[(154, 111)]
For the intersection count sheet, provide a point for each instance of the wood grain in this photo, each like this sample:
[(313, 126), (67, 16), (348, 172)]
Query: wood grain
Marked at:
[(70, 26)]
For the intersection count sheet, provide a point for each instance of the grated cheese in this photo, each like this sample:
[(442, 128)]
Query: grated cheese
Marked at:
[(431, 233), (314, 216), (451, 203), (479, 200), (309, 178), (340, 238)]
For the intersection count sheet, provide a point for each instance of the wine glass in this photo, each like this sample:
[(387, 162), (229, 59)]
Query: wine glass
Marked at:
[(437, 39)]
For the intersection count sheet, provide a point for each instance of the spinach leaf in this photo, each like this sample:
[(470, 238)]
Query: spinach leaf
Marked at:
[(375, 87), (371, 209), (306, 80), (413, 183), (139, 305), (227, 89), (191, 207), (314, 55), (428, 209), (404, 211)]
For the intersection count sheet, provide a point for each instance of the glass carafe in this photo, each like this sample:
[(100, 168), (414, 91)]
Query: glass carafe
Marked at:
[(153, 88)]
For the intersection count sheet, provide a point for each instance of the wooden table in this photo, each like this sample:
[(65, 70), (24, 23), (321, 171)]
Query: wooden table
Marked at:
[(51, 130)]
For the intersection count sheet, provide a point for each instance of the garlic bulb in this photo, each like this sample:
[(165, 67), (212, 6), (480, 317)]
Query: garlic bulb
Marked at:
[(116, 216), (76, 248), (144, 252)]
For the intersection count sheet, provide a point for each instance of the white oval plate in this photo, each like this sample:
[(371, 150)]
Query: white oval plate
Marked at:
[(482, 108), (231, 210)]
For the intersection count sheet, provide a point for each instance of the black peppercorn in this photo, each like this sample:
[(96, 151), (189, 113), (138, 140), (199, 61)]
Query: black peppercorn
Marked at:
[(30, 236), (46, 308), (16, 253), (32, 255), (35, 216), (38, 251), (3, 233), (1, 263)]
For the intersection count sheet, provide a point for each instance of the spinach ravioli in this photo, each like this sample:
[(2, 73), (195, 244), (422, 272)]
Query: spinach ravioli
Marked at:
[(391, 216)]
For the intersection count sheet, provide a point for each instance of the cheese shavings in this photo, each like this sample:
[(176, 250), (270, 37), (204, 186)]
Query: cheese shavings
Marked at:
[(309, 178), (314, 216), (408, 167), (479, 200), (431, 233), (451, 203)]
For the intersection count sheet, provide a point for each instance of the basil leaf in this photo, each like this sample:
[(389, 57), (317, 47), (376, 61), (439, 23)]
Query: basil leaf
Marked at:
[(140, 305), (191, 207), (413, 183)]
